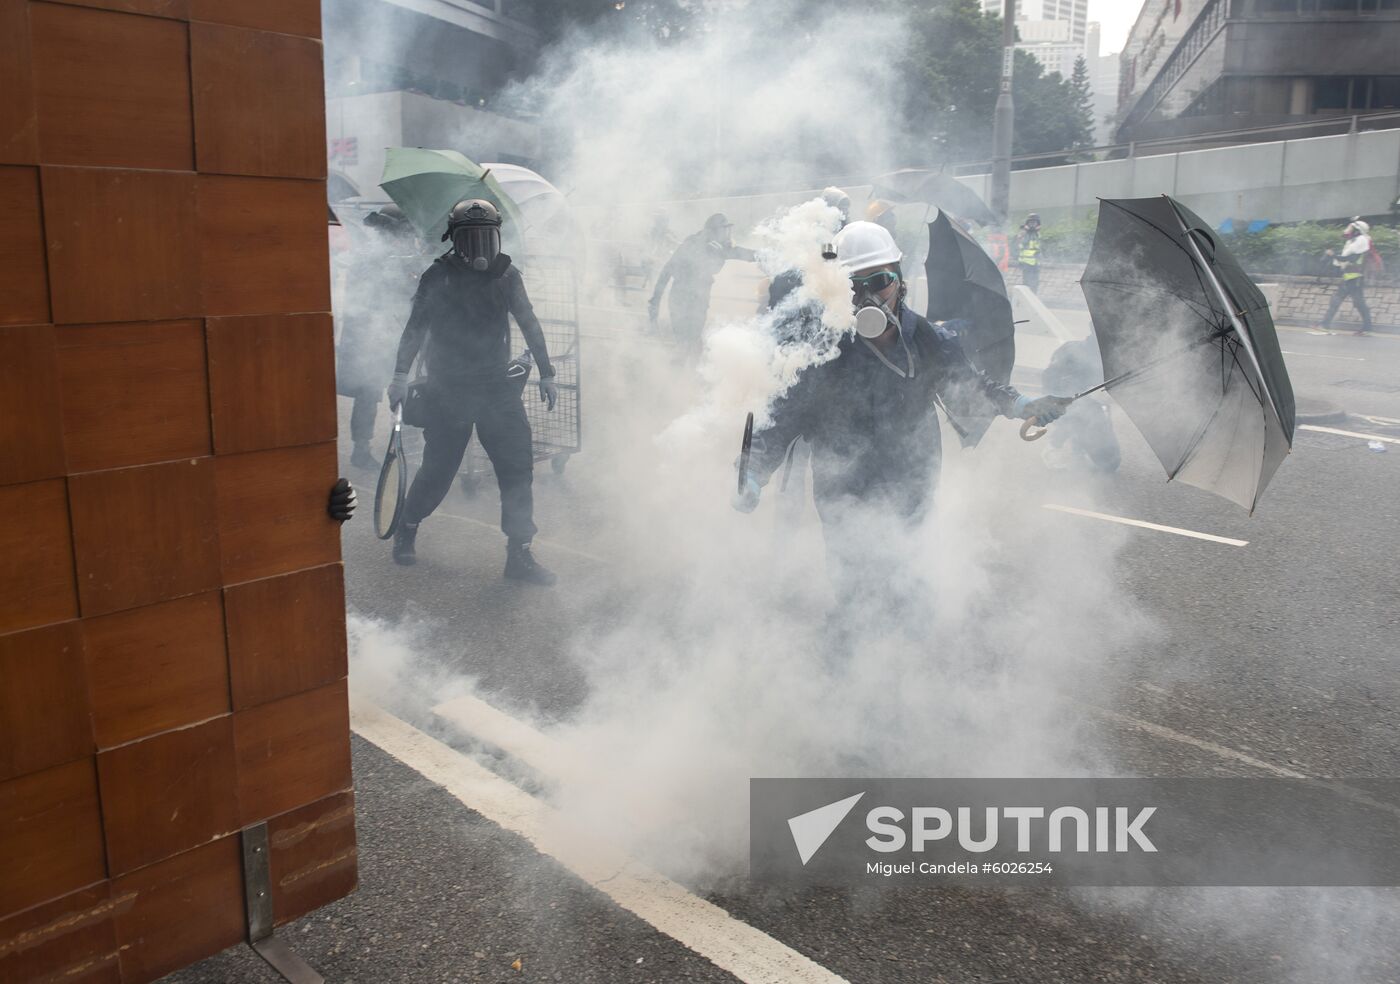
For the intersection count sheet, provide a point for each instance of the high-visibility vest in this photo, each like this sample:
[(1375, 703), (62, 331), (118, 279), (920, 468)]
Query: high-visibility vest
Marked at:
[(1030, 250)]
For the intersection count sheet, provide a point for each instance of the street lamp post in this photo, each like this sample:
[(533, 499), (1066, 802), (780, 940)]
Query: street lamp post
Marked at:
[(1005, 118)]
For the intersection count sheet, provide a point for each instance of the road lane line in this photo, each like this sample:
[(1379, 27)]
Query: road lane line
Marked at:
[(744, 951), (1342, 433), (484, 722), (1319, 355), (1383, 421), (1146, 526), (1224, 751)]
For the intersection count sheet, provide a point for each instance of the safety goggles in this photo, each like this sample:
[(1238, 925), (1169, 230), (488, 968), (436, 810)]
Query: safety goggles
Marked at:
[(875, 282)]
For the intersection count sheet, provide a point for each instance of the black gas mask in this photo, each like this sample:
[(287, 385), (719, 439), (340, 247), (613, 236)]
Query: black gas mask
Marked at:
[(474, 227)]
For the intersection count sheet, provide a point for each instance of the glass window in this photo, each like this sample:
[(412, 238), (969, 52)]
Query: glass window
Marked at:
[(1331, 93), (1385, 92), (1275, 6), (1336, 6)]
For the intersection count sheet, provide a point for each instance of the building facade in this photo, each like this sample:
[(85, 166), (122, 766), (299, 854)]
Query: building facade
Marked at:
[(1239, 64), (422, 73)]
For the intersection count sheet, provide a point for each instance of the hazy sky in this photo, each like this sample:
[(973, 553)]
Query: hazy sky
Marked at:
[(1117, 17)]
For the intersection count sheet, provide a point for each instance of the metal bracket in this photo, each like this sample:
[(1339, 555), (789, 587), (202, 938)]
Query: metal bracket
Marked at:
[(257, 898)]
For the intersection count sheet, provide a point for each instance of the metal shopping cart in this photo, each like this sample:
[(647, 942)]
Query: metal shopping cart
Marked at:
[(552, 283)]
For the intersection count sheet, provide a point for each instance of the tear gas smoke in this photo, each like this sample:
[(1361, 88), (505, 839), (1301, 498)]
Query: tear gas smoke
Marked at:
[(974, 640)]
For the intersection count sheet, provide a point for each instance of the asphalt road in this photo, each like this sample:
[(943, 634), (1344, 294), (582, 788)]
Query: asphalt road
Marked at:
[(1277, 655)]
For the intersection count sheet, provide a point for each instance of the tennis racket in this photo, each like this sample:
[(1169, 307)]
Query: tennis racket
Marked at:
[(744, 451), (393, 483)]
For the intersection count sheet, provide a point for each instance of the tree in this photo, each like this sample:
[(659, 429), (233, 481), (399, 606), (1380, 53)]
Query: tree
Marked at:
[(1083, 95)]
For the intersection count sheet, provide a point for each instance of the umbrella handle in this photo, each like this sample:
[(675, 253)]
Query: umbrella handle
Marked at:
[(1031, 430)]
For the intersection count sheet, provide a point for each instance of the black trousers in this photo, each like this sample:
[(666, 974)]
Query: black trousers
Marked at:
[(498, 417), (362, 414), (1030, 276), (1355, 289)]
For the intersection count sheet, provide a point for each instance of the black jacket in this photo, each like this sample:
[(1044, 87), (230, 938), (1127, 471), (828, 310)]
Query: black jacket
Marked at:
[(464, 317), (872, 423)]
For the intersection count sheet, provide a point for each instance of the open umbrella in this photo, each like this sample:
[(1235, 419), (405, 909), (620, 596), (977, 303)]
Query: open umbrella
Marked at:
[(943, 191), (538, 200), (964, 283), (427, 183), (1189, 348)]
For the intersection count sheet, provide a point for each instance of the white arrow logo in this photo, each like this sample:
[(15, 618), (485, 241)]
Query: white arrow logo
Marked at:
[(810, 830)]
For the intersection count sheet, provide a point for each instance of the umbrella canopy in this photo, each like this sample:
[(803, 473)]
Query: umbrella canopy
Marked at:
[(538, 200), (1190, 348), (427, 183), (964, 282), (943, 191)]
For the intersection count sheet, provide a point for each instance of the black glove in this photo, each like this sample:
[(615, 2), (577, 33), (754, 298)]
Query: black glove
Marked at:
[(549, 391), (1046, 410), (342, 501)]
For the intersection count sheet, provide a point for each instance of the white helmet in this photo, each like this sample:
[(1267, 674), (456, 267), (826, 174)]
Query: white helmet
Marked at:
[(1360, 226), (862, 245)]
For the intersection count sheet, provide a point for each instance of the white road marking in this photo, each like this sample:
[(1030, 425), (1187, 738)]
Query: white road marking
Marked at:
[(552, 544), (1342, 433), (1383, 421), (1319, 355), (748, 953), (1225, 752), (480, 720), (1221, 751), (1147, 526)]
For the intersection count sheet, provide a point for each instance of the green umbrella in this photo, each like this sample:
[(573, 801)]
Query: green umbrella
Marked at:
[(427, 183)]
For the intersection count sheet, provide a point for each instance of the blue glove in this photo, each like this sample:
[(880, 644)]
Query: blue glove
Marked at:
[(1045, 410), (747, 500)]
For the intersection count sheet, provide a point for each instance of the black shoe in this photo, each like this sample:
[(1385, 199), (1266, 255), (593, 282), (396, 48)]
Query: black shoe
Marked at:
[(361, 458), (403, 544), (522, 566)]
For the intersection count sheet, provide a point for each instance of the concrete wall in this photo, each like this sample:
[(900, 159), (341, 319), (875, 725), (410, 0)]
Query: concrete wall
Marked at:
[(1299, 300), (1284, 181)]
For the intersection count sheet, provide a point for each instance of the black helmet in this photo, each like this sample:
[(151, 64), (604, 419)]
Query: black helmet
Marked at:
[(1033, 217), (389, 219), (474, 226), (717, 222)]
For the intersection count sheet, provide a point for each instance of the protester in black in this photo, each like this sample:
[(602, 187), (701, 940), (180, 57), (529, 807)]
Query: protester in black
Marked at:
[(461, 323)]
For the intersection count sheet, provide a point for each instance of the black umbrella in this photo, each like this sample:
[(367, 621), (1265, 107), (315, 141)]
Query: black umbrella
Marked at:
[(964, 283), (942, 191), (1189, 348)]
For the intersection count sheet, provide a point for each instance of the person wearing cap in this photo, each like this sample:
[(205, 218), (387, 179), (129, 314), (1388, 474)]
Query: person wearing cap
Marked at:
[(1352, 264), (1028, 252), (691, 273), (871, 412)]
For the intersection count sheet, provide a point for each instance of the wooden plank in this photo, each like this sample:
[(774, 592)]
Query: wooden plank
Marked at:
[(164, 545), (133, 394), (313, 859), (43, 700), (37, 584), (50, 835), (259, 104), (24, 278), (301, 17), (292, 752), (111, 89), (31, 422), (286, 634), (158, 667), (167, 794)]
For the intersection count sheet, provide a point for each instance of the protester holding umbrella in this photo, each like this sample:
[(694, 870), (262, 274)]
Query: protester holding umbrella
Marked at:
[(691, 273), (461, 317), (870, 412)]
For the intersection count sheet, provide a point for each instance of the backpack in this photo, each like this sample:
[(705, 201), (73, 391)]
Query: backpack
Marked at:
[(1374, 265)]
